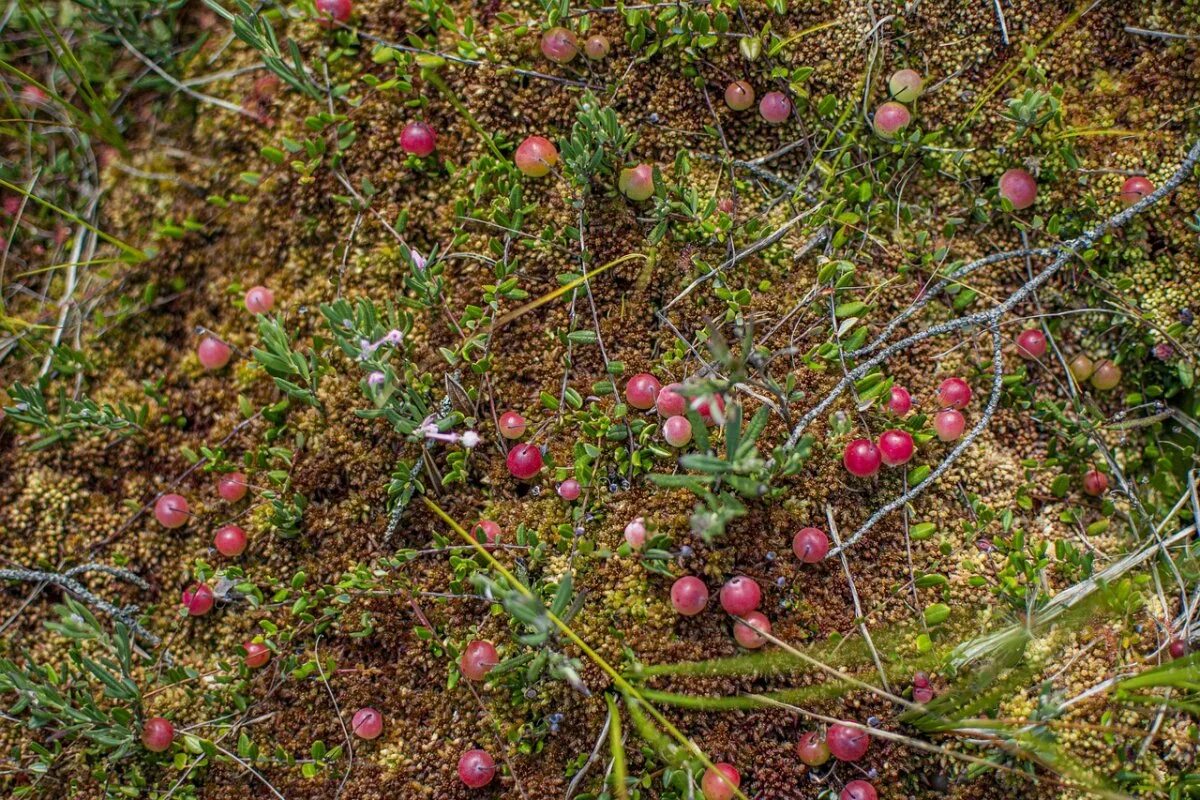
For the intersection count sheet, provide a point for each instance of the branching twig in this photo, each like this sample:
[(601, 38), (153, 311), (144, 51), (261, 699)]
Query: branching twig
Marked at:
[(66, 581)]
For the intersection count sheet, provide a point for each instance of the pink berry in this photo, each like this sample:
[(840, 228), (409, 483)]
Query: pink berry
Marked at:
[(719, 781), (230, 541), (213, 353), (157, 734), (490, 530), (739, 95), (171, 510), (810, 545), (775, 107), (559, 45), (476, 768), (677, 431), (33, 95), (1106, 376), (1019, 188), (569, 490), (259, 300), (367, 723), (512, 425), (920, 680), (949, 424), (11, 204), (333, 10), (747, 636), (232, 486), (1031, 344), (535, 156), (642, 390), (1135, 189), (847, 743), (596, 47), (726, 205), (890, 119), (954, 393), (637, 183), (198, 599), (812, 749), (900, 401), (478, 659), (862, 458), (710, 408), (895, 447), (905, 85), (1095, 483), (669, 402), (524, 461), (689, 595), (257, 655), (1178, 648), (922, 694), (418, 139), (740, 596), (635, 534), (858, 790)]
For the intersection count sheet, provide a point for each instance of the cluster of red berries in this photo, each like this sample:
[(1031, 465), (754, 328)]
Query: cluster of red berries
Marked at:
[(774, 107), (844, 742), (561, 45), (644, 392), (893, 116), (524, 460), (1018, 187)]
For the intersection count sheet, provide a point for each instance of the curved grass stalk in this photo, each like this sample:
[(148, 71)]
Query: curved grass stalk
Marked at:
[(134, 253), (617, 748), (560, 291)]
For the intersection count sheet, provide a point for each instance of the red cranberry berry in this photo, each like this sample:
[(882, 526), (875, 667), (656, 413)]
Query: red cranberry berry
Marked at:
[(198, 599), (1178, 648), (490, 532), (1106, 376), (418, 139), (171, 510), (689, 595), (535, 156), (1095, 483), (900, 402), (524, 461), (710, 408), (862, 458), (890, 119), (637, 183), (635, 534), (476, 768), (677, 431), (596, 47), (559, 45), (569, 490), (232, 486), (1031, 344), (812, 749), (331, 11), (512, 425), (740, 596), (949, 424), (747, 636), (1019, 188), (858, 790), (669, 402), (847, 743), (954, 393), (259, 300), (257, 655), (922, 694), (367, 723), (775, 107), (905, 85), (1135, 189), (213, 353), (642, 390), (719, 781), (810, 545), (739, 95), (726, 205), (230, 541), (478, 659), (157, 734), (895, 447)]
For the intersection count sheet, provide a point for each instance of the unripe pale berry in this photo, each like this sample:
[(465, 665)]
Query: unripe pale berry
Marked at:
[(858, 790), (478, 659), (890, 119), (198, 599), (812, 749), (810, 545), (637, 183), (740, 596), (171, 510), (1106, 376), (635, 534), (847, 743), (1031, 344), (954, 393), (232, 486), (905, 85), (1082, 368), (512, 425), (1019, 188), (775, 107), (535, 156), (259, 300), (715, 787), (862, 458), (569, 490), (895, 447), (559, 45), (642, 390), (689, 595), (367, 723), (333, 10), (418, 139), (596, 47), (489, 530), (739, 95), (213, 353), (524, 461), (157, 734), (476, 768), (230, 541), (900, 401), (1135, 189), (669, 402), (257, 655), (1095, 482), (1178, 648), (949, 424), (747, 636), (677, 431)]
